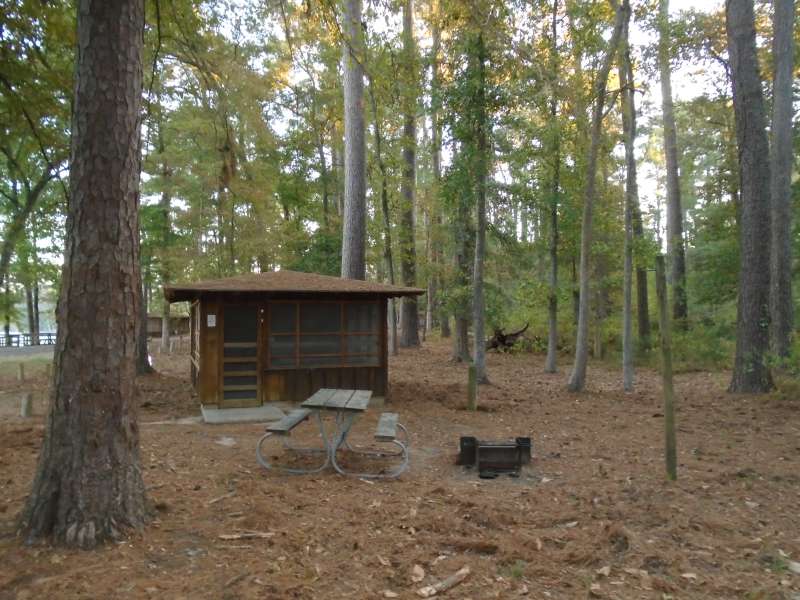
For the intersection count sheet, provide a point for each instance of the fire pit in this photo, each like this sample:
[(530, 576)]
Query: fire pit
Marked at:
[(493, 458)]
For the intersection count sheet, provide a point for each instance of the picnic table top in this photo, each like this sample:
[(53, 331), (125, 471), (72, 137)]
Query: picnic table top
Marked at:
[(333, 399)]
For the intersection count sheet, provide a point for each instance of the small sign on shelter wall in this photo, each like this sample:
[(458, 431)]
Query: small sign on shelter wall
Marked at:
[(211, 320)]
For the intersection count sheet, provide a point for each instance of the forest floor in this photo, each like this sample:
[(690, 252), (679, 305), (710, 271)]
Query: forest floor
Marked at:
[(592, 516)]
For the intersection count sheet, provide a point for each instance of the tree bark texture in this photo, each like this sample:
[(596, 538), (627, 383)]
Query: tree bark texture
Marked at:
[(409, 317), (88, 485), (782, 316), (675, 246), (354, 232), (750, 372), (577, 379), (481, 173), (552, 300), (631, 200)]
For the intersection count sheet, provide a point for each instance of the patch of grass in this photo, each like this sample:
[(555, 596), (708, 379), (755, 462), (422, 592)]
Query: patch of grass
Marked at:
[(515, 570)]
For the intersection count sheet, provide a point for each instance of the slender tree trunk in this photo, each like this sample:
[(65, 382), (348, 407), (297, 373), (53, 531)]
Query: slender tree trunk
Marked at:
[(7, 312), (164, 207), (323, 166), (552, 300), (36, 316), (781, 183), (481, 173), (461, 322), (387, 226), (631, 201), (750, 371), (675, 245), (409, 316), (143, 366), (354, 234), (88, 485), (642, 300), (436, 145), (670, 443), (577, 378), (29, 305)]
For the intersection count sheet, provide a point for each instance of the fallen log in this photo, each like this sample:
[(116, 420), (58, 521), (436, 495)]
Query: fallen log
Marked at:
[(504, 341), (442, 586)]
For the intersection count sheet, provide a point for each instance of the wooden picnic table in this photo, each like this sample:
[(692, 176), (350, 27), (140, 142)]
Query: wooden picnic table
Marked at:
[(347, 405)]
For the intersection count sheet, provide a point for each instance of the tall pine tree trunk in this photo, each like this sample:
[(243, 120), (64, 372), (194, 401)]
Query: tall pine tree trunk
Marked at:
[(409, 317), (750, 372), (387, 226), (631, 201), (481, 173), (164, 207), (577, 379), (354, 232), (781, 184), (436, 150), (552, 300), (88, 485), (675, 246)]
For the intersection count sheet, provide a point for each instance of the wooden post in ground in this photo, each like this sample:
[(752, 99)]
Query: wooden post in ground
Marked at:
[(21, 372), (26, 405), (670, 448), (472, 388)]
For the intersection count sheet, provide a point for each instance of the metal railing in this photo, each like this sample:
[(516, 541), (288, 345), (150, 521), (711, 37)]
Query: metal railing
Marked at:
[(19, 340)]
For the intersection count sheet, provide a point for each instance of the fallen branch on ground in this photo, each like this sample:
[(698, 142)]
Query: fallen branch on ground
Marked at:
[(444, 584)]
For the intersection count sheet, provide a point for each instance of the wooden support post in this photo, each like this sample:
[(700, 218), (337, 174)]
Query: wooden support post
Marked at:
[(670, 448), (472, 388), (26, 405), (172, 345), (21, 372)]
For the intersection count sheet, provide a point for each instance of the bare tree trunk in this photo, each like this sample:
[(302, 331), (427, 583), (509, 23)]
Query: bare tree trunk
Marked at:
[(88, 485), (143, 366), (675, 246), (781, 183), (642, 300), (631, 201), (354, 234), (750, 371), (481, 173), (552, 301), (7, 312), (164, 207), (436, 145), (387, 226), (409, 317), (461, 322), (577, 378)]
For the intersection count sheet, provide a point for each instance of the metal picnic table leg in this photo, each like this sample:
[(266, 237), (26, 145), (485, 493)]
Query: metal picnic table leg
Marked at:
[(343, 428), (288, 470)]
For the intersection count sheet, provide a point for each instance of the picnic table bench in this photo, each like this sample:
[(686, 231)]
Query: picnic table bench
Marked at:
[(345, 406)]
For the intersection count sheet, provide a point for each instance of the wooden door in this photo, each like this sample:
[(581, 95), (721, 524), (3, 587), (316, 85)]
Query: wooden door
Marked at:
[(241, 377)]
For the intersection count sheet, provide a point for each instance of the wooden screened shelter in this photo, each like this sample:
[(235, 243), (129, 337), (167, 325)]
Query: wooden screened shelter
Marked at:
[(281, 336)]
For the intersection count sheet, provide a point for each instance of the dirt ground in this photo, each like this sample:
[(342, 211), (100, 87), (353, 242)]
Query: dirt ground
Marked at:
[(592, 516)]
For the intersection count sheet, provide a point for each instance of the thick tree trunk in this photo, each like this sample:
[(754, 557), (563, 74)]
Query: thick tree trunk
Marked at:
[(88, 485), (577, 378), (631, 201), (750, 372), (552, 300), (481, 173), (354, 233), (675, 246), (781, 183), (409, 317)]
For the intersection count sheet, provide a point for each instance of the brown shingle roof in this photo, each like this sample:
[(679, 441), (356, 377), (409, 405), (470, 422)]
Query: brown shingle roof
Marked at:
[(283, 282)]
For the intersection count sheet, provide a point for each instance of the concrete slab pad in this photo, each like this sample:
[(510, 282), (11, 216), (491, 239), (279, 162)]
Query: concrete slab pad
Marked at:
[(255, 414)]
